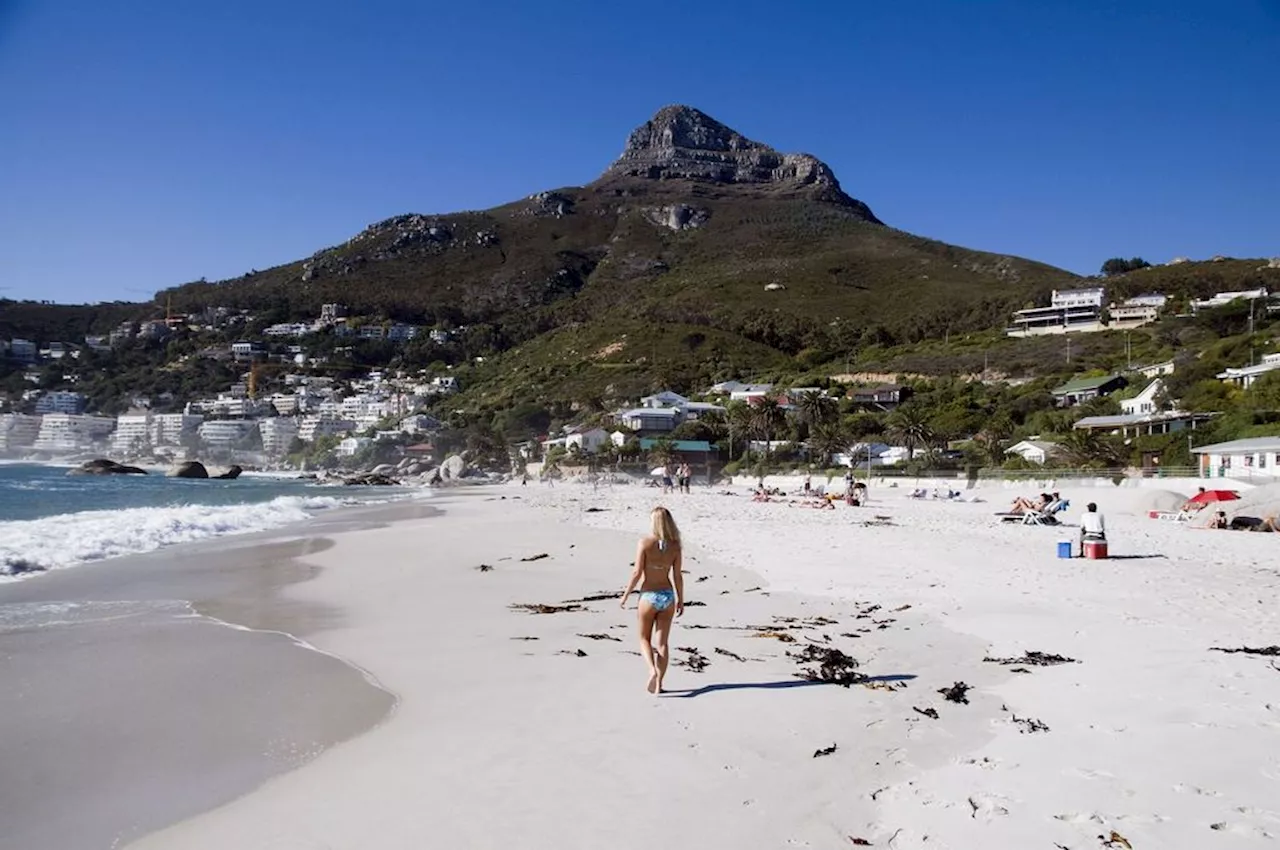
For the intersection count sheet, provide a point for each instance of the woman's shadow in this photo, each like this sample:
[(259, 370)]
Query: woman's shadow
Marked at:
[(783, 685)]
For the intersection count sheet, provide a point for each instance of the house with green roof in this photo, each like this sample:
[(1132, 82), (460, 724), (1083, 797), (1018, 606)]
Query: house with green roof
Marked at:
[(1079, 390)]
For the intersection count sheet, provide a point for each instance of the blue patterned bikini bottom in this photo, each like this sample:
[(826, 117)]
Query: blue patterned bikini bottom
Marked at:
[(661, 600)]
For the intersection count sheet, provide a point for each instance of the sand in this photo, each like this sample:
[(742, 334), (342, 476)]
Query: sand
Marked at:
[(530, 730)]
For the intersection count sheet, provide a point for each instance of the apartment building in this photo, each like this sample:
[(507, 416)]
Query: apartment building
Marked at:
[(60, 401), (18, 431), (278, 433), (312, 427), (132, 436), (224, 433), (174, 429), (66, 432)]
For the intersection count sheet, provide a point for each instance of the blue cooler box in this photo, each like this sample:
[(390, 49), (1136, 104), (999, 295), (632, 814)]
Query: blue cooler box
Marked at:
[(1064, 548)]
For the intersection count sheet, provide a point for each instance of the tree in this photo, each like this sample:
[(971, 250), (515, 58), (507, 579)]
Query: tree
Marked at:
[(1086, 448), (739, 418), (1119, 265), (827, 439), (815, 408), (767, 417), (909, 426)]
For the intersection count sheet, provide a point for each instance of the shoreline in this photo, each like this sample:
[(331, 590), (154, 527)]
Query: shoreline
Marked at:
[(230, 692)]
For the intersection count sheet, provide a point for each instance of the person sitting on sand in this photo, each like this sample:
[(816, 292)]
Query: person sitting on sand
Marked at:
[(1219, 521), (657, 574)]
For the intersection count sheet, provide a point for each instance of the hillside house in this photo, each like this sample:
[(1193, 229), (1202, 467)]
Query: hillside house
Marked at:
[(1137, 311), (1079, 390), (885, 397), (1257, 457), (1069, 311), (1035, 451), (1156, 370), (586, 440), (666, 398), (1222, 299), (1145, 401), (1245, 376), (1143, 424), (650, 420), (693, 452)]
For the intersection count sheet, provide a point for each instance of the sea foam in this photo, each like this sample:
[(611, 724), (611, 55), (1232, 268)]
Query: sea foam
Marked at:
[(32, 546)]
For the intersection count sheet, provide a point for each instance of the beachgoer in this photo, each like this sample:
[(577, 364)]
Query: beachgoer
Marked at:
[(668, 474), (1219, 521), (658, 577), (808, 484), (1092, 526), (684, 476), (524, 480)]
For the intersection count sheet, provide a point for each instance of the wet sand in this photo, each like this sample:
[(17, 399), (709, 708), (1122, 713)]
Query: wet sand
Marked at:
[(144, 690)]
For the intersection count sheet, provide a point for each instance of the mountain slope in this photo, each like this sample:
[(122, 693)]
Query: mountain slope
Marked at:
[(689, 225)]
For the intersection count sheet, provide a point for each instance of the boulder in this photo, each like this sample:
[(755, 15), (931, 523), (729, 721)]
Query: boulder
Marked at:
[(453, 467), (383, 469), (370, 479), (232, 473), (102, 466), (189, 469), (432, 475)]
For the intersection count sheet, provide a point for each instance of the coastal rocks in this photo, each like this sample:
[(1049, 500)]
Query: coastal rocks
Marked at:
[(453, 468), (677, 217), (102, 466), (232, 473), (189, 469), (370, 479)]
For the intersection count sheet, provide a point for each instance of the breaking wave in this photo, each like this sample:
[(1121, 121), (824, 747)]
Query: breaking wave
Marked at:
[(65, 540)]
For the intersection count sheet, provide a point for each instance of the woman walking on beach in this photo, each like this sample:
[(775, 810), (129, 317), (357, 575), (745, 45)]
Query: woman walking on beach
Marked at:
[(657, 575)]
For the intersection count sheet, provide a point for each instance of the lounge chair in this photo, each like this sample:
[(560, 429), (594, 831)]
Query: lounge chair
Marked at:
[(1045, 516)]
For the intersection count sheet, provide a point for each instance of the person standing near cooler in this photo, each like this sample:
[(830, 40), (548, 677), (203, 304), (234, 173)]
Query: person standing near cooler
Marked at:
[(1092, 526)]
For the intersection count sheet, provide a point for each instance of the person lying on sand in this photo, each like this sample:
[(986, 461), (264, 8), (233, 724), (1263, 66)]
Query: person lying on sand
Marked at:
[(657, 574), (1023, 505)]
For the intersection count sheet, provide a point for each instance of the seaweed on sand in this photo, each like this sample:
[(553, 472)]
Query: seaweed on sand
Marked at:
[(538, 608), (956, 693), (696, 662), (832, 665), (1034, 659)]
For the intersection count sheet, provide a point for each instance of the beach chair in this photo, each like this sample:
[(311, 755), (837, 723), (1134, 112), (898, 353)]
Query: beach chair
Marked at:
[(1043, 517)]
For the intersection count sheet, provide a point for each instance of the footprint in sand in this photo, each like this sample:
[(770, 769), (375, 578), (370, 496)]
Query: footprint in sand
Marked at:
[(1193, 789), (988, 806)]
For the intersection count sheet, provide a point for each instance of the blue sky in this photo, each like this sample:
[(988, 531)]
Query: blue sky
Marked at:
[(147, 143)]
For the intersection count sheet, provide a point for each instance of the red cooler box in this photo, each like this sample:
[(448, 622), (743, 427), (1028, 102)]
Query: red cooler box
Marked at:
[(1095, 549)]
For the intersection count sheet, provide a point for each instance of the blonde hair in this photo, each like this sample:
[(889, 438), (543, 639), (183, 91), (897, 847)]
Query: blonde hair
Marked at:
[(664, 526)]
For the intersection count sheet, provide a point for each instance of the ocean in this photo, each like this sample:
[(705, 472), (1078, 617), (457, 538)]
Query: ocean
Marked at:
[(49, 519)]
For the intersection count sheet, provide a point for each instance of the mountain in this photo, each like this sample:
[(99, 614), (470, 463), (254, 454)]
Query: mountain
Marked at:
[(733, 256)]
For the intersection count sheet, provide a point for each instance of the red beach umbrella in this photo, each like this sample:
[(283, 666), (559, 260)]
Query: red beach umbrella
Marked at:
[(1204, 497)]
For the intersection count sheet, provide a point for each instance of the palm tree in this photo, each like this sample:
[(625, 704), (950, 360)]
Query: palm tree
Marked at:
[(815, 408), (1085, 448), (738, 417), (909, 426), (767, 417), (993, 436), (827, 439)]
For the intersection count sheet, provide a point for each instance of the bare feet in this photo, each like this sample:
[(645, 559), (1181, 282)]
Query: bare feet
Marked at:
[(659, 690), (652, 687)]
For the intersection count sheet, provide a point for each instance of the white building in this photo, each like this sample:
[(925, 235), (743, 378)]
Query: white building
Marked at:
[(666, 398), (278, 434), (60, 401), (288, 329), (66, 432), (1145, 401), (133, 434), (246, 350), (1137, 311), (419, 423), (1069, 311), (1157, 370), (1224, 298), (1034, 451), (312, 427), (1245, 376), (650, 419), (587, 440), (285, 405), (746, 392), (1258, 457), (351, 446), (174, 429), (445, 384), (224, 432), (18, 431)]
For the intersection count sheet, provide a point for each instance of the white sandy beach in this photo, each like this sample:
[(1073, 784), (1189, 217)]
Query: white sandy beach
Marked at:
[(501, 740)]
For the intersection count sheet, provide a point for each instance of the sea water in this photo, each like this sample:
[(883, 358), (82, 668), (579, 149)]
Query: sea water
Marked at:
[(49, 519)]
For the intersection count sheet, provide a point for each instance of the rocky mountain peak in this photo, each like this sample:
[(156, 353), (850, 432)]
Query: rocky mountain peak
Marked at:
[(680, 142)]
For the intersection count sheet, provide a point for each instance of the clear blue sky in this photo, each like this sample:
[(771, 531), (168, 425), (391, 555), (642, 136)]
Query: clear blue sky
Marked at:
[(148, 142)]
